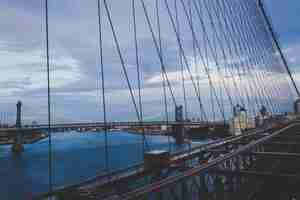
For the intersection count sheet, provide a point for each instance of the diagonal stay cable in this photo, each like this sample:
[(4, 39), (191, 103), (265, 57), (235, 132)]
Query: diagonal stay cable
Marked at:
[(103, 85), (185, 60), (181, 65), (162, 74), (199, 50), (249, 50), (213, 52), (224, 56), (259, 57), (204, 60), (234, 34), (138, 68), (236, 46), (163, 68), (264, 58), (116, 41), (252, 35), (270, 51)]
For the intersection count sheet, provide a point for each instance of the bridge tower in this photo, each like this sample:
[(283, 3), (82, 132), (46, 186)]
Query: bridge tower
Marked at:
[(179, 128), (18, 142)]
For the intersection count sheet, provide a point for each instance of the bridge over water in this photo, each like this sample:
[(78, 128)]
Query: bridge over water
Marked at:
[(172, 60)]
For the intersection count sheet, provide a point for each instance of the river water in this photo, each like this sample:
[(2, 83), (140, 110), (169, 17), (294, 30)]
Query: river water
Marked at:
[(76, 157)]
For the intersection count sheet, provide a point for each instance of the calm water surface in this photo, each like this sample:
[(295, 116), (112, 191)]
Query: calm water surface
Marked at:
[(76, 157)]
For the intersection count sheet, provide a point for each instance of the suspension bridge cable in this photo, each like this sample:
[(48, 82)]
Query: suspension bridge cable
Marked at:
[(262, 60), (272, 59), (138, 71), (272, 46), (195, 62), (243, 46), (182, 67), (195, 41), (277, 44), (266, 59), (162, 74), (213, 52), (273, 51), (251, 58), (48, 99), (252, 35), (158, 51), (185, 61), (258, 63), (205, 62), (254, 58), (253, 55), (239, 51), (195, 56), (270, 52), (234, 54), (262, 46), (181, 63), (225, 59), (213, 48), (116, 41), (99, 13)]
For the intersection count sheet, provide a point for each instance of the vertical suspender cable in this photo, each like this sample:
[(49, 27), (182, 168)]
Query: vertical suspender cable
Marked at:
[(214, 29), (223, 47), (264, 57), (116, 41), (250, 50), (163, 68), (181, 64), (117, 45), (49, 100), (242, 48), (213, 54), (162, 74), (182, 67), (238, 52), (138, 74), (186, 62), (103, 85), (259, 57)]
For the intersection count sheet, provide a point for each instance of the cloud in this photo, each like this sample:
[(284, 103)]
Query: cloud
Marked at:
[(75, 64)]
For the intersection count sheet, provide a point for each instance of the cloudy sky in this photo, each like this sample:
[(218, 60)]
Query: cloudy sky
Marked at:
[(75, 61)]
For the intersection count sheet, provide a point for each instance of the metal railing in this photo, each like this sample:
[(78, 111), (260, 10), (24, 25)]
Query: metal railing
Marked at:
[(203, 181)]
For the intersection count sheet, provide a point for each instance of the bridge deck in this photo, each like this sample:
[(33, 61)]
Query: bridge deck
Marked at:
[(252, 171), (104, 186), (29, 128)]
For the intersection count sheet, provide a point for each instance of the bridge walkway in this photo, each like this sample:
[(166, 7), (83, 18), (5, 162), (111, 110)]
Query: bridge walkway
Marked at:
[(261, 169), (123, 181)]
